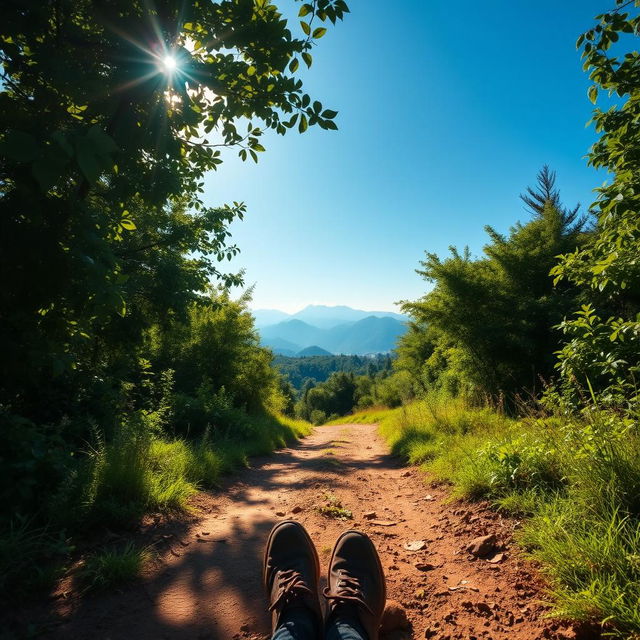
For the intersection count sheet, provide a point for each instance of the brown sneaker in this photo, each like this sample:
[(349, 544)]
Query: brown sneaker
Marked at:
[(291, 571), (356, 578)]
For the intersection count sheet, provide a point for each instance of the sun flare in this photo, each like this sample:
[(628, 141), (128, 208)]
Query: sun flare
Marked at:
[(170, 64)]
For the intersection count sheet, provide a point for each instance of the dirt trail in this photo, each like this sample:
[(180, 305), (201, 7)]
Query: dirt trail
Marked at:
[(206, 584)]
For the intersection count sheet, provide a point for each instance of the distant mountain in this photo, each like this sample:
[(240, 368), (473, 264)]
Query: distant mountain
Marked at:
[(265, 317), (313, 351), (294, 331), (281, 346), (320, 316), (369, 335), (327, 317)]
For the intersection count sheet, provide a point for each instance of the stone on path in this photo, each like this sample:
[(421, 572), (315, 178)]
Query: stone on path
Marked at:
[(482, 546)]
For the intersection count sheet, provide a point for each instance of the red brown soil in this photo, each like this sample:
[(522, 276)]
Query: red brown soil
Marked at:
[(206, 581)]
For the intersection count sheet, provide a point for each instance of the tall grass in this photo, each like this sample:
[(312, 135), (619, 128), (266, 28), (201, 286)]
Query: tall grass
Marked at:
[(577, 478), (140, 470)]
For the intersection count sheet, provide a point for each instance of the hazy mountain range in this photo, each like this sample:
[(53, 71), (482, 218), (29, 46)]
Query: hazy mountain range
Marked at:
[(322, 330)]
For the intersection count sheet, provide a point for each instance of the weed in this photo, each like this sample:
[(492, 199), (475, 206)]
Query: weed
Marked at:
[(112, 568), (333, 508)]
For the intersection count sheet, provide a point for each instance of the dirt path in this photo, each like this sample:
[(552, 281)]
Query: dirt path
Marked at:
[(206, 584)]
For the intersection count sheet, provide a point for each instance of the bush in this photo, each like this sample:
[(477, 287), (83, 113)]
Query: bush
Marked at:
[(579, 479)]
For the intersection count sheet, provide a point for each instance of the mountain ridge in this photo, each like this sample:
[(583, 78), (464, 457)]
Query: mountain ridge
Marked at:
[(369, 335), (322, 316)]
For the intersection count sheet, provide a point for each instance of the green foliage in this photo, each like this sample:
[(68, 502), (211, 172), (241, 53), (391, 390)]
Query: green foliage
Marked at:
[(112, 568), (319, 368), (332, 507), (127, 378), (602, 347), (336, 396), (578, 478), (485, 329)]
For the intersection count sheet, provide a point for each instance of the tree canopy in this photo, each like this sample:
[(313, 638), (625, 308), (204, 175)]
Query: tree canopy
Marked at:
[(486, 327), (603, 337)]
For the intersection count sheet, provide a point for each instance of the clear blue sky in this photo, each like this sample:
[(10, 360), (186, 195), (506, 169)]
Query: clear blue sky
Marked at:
[(446, 113)]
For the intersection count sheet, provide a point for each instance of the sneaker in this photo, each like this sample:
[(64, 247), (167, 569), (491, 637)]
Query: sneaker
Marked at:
[(356, 581), (291, 571)]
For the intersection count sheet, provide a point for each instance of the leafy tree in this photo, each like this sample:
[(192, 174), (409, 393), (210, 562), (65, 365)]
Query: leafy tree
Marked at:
[(336, 396), (111, 113), (488, 322), (603, 337), (100, 135)]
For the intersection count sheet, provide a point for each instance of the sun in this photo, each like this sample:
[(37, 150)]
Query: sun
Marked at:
[(170, 64)]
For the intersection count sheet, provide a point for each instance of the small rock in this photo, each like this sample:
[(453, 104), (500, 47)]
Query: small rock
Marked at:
[(424, 566), (429, 497), (384, 523), (244, 628), (499, 557), (296, 509), (482, 546), (415, 545), (369, 515), (406, 474), (394, 617), (280, 514), (483, 608)]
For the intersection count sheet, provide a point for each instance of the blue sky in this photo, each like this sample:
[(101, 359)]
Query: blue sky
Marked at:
[(446, 113)]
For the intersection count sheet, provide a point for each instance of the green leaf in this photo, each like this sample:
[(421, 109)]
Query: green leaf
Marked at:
[(88, 163), (294, 64), (305, 9), (319, 32), (304, 125), (305, 27), (63, 143), (46, 173), (593, 93), (329, 113), (19, 146), (307, 57), (127, 224), (104, 144)]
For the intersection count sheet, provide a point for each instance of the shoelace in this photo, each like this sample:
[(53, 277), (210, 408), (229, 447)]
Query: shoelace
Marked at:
[(348, 589), (290, 586)]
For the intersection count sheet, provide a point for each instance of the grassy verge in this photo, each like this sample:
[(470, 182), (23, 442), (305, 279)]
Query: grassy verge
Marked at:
[(577, 480), (366, 416), (139, 471)]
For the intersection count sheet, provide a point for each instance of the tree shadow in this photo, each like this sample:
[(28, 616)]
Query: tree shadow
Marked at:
[(207, 582)]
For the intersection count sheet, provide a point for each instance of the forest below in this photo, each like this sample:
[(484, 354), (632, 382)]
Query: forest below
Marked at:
[(131, 377)]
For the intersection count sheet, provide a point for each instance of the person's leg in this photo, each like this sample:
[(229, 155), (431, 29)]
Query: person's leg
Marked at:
[(296, 624), (290, 577), (356, 591), (345, 625)]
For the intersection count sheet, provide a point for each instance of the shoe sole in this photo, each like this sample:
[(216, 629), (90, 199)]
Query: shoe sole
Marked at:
[(268, 548), (375, 554)]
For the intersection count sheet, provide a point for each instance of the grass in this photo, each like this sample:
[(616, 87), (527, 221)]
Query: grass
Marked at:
[(139, 471), (112, 568), (372, 415), (577, 480)]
